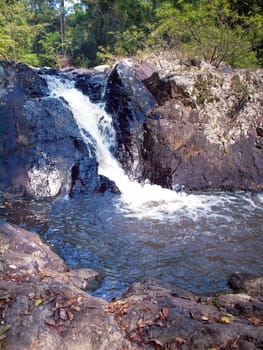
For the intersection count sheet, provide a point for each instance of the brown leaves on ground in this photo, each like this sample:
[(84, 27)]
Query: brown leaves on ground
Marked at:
[(5, 300), (21, 276), (63, 308), (164, 313), (58, 325), (117, 308), (14, 277), (63, 312), (139, 333), (255, 321), (141, 323)]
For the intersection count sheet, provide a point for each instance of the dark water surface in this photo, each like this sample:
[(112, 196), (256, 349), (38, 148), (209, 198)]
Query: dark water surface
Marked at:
[(196, 252)]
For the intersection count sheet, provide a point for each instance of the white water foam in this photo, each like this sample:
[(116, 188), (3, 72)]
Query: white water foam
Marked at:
[(143, 201)]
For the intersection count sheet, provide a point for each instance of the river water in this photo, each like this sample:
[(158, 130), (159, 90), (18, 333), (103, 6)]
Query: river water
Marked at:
[(194, 240)]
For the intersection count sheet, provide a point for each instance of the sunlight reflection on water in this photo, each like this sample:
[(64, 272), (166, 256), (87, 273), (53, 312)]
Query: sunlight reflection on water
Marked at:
[(195, 252)]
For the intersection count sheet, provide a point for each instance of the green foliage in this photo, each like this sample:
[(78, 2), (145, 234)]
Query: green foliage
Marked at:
[(7, 46), (49, 46), (96, 31), (103, 29), (130, 41), (202, 89), (29, 31), (104, 55), (15, 33), (213, 30)]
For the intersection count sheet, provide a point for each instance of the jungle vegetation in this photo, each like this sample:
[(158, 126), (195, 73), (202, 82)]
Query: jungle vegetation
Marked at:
[(90, 32)]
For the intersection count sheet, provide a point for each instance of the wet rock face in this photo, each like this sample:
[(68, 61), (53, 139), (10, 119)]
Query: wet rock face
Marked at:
[(92, 85), (42, 152), (202, 129), (192, 127), (129, 102)]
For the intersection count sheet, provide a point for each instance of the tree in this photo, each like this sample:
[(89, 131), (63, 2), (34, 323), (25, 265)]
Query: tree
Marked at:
[(16, 34), (223, 35), (62, 25), (41, 32), (104, 28)]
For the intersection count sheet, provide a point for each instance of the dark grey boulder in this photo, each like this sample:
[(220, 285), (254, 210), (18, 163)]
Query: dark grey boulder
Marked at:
[(130, 103), (41, 148)]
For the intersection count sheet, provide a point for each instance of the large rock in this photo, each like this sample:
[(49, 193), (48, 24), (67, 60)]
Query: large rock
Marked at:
[(41, 303), (158, 315), (92, 82), (129, 102), (211, 122), (200, 129), (42, 151), (43, 307), (195, 127)]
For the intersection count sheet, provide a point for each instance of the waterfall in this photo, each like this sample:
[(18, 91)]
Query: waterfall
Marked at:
[(136, 199)]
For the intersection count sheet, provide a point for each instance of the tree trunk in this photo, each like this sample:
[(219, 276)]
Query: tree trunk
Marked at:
[(62, 25)]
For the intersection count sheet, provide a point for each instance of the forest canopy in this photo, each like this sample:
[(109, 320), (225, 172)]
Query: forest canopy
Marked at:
[(90, 32)]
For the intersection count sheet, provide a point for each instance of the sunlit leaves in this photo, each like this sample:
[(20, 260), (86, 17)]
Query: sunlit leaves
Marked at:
[(223, 35), (38, 302), (99, 30)]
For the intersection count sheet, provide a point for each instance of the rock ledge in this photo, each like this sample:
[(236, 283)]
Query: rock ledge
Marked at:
[(43, 307)]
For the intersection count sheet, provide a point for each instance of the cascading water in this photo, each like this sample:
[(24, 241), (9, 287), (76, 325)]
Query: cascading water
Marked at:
[(195, 241), (141, 200)]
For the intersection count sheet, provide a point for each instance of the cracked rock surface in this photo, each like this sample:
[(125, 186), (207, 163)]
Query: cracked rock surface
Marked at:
[(43, 307)]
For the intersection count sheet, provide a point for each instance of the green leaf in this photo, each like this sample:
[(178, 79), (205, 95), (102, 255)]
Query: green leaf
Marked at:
[(215, 303), (5, 328), (38, 302), (225, 319)]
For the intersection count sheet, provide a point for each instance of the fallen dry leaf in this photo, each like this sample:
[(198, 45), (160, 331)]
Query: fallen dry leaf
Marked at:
[(191, 315), (43, 275), (51, 323), (117, 308), (79, 299), (31, 295), (255, 321), (155, 341), (70, 315), (180, 340), (164, 313), (124, 326), (204, 318), (26, 313), (75, 308), (4, 312), (144, 323)]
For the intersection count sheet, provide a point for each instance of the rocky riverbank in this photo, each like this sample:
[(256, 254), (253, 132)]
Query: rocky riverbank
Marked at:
[(43, 306), (181, 126), (188, 126)]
